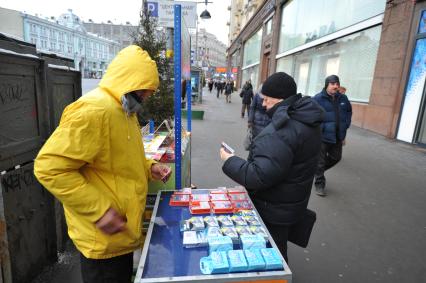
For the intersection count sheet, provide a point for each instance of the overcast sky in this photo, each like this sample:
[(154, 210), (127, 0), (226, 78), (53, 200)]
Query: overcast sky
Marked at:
[(119, 11)]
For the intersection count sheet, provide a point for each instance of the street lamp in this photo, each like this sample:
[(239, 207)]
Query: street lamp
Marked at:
[(205, 15)]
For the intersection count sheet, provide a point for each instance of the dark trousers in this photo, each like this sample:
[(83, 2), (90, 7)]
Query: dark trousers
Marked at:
[(111, 270), (243, 109), (280, 235), (330, 155)]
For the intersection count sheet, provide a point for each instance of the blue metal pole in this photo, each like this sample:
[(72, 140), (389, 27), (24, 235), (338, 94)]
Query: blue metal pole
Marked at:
[(188, 106), (178, 95), (151, 126)]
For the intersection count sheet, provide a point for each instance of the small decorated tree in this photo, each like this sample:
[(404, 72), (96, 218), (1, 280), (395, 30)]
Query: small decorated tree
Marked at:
[(149, 37)]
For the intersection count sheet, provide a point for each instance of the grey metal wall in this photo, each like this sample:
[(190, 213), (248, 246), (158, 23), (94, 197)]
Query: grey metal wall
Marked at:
[(27, 219), (33, 94)]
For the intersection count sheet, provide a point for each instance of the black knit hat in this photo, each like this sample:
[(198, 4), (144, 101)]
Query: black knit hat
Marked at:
[(331, 79), (279, 85)]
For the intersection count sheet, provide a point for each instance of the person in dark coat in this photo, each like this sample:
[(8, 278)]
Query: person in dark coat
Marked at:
[(337, 120), (258, 119), (279, 170), (247, 96), (228, 91)]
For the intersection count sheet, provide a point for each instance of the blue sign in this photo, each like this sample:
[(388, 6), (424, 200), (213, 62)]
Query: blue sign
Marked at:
[(152, 7)]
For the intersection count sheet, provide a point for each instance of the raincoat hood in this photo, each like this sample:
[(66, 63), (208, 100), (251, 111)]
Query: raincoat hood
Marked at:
[(132, 69)]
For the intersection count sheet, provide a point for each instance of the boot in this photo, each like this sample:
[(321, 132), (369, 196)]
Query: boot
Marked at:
[(320, 190)]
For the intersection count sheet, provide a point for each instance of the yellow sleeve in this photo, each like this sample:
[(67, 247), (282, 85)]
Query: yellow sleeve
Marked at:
[(74, 144)]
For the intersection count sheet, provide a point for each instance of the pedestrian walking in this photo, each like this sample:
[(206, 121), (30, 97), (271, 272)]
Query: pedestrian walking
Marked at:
[(279, 171), (336, 123), (247, 96), (210, 85), (228, 91), (94, 163), (258, 119)]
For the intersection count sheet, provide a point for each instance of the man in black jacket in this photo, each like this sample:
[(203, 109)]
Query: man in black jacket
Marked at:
[(337, 120), (280, 168)]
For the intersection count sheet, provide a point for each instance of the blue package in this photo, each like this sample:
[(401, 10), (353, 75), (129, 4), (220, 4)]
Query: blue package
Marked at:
[(254, 260), (252, 242), (272, 259), (237, 261), (219, 243), (217, 262)]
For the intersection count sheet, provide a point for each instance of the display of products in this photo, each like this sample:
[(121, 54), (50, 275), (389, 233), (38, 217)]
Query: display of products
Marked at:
[(252, 220), (272, 258), (222, 207), (230, 232), (243, 230), (202, 207), (225, 221), (216, 262), (236, 190), (216, 197), (197, 198), (211, 221), (184, 191), (238, 197), (219, 190), (179, 200), (259, 230), (252, 242), (237, 261), (238, 220), (213, 232), (193, 224), (254, 259), (219, 243), (193, 239), (221, 233), (241, 205)]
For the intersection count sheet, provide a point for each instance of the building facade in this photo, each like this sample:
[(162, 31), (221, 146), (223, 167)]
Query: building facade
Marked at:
[(208, 51), (363, 41), (65, 36), (241, 13), (119, 33)]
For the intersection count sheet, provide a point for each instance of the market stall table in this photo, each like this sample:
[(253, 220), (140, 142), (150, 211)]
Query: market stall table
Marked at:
[(165, 259)]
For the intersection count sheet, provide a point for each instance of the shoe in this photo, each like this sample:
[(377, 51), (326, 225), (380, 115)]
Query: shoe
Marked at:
[(320, 190)]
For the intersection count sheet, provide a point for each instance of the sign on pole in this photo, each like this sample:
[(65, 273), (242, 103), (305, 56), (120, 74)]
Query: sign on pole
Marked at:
[(164, 11)]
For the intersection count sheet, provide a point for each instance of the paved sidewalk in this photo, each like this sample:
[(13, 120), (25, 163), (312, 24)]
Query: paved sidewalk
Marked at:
[(372, 225)]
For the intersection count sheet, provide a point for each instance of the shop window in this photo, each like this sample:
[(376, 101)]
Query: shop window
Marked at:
[(252, 74), (352, 58), (252, 49), (303, 21)]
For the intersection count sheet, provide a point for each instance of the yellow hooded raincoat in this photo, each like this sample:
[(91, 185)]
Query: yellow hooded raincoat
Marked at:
[(95, 158)]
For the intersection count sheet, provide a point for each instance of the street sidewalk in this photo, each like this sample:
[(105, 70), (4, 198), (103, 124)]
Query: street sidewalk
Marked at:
[(371, 226)]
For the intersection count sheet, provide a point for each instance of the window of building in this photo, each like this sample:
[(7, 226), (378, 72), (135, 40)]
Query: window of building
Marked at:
[(61, 36), (352, 58), (303, 21), (252, 49), (268, 27)]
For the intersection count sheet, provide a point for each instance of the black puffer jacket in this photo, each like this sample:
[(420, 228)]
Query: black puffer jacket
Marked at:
[(282, 161)]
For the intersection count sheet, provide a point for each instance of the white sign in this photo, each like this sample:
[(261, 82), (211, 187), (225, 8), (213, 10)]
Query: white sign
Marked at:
[(164, 11)]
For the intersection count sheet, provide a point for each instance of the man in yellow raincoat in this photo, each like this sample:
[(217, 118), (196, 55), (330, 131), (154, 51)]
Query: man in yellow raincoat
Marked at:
[(95, 164)]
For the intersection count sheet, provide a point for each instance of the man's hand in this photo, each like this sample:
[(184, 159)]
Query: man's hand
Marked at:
[(250, 124), (111, 222), (224, 155), (160, 172)]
